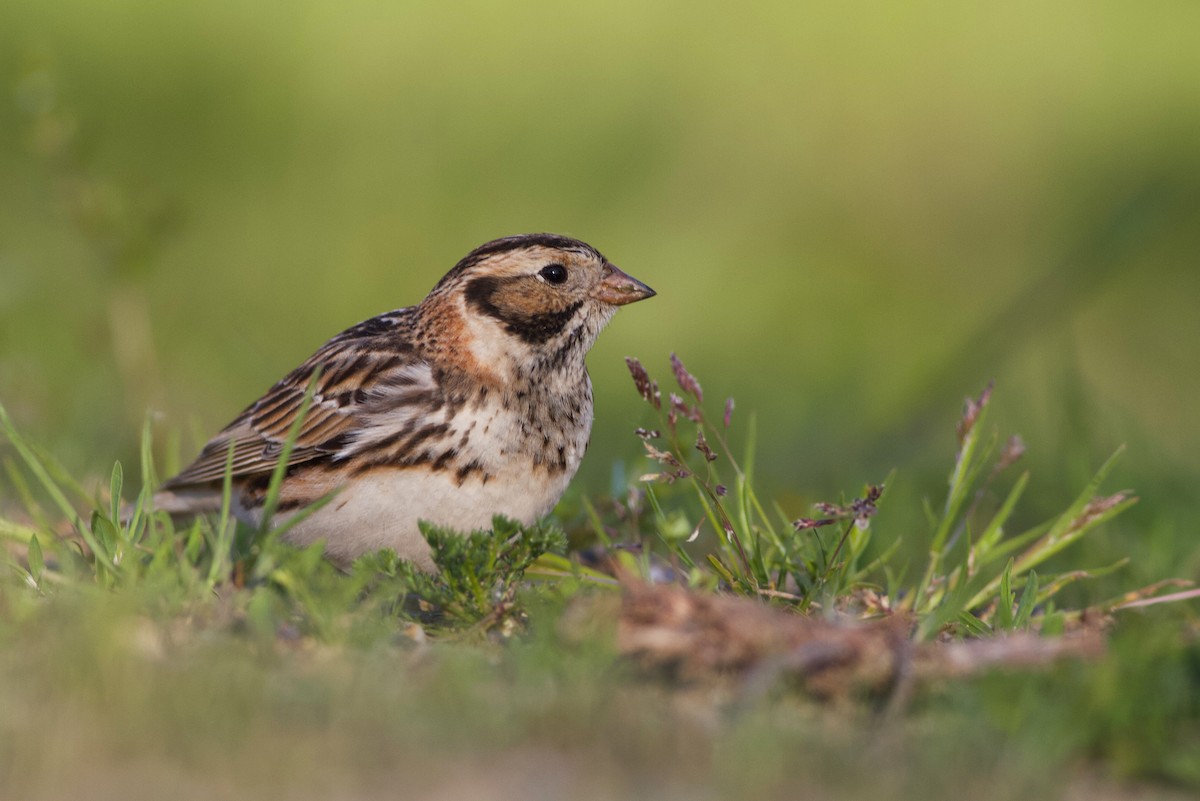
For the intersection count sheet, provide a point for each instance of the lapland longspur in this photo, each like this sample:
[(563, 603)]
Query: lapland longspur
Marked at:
[(476, 402)]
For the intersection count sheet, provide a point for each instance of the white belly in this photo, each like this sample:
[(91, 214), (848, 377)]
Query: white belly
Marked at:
[(381, 510)]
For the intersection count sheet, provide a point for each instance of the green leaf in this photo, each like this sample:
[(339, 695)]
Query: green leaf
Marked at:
[(114, 492), (106, 535), (37, 563), (100, 543), (194, 543)]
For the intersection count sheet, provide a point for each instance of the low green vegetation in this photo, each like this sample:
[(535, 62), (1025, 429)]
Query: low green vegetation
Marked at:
[(245, 666)]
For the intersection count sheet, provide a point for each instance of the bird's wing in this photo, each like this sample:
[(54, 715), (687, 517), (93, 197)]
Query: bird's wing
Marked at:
[(365, 369)]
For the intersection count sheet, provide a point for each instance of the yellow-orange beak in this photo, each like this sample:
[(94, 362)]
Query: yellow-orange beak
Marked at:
[(618, 288)]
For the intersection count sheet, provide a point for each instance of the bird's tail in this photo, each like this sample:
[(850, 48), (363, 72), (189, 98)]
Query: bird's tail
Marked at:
[(187, 502), (182, 503)]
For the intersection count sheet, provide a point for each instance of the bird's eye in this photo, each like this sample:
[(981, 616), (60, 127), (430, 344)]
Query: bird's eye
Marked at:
[(553, 273)]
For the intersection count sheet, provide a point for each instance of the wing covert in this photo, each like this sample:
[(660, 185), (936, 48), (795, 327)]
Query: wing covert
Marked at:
[(355, 373)]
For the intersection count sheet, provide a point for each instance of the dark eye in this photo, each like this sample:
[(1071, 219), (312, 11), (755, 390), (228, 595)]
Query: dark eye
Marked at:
[(554, 273)]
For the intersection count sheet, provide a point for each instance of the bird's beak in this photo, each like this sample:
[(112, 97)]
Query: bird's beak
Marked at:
[(617, 288)]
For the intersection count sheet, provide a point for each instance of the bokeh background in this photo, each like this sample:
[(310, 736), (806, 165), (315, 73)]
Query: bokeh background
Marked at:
[(854, 215)]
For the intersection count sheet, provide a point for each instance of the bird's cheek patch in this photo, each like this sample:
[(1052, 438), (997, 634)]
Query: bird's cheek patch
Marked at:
[(531, 311), (524, 298)]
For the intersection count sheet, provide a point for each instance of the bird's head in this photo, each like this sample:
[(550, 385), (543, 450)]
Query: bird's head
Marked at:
[(533, 299)]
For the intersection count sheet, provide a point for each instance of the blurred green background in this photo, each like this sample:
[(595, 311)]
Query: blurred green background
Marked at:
[(854, 215)]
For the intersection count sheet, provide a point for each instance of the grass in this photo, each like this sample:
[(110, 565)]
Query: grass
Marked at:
[(215, 659)]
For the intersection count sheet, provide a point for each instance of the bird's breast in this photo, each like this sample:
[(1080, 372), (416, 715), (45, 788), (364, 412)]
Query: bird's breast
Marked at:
[(526, 433)]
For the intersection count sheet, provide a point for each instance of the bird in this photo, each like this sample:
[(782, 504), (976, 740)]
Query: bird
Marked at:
[(474, 403)]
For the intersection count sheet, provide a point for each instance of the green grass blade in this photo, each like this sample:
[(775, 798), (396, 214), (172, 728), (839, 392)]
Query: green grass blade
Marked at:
[(1062, 525), (145, 500), (25, 495), (1004, 603), (995, 528), (223, 536), (1014, 544), (973, 625), (16, 531), (1067, 528), (1058, 582), (115, 483), (38, 468), (1028, 601), (597, 524), (271, 502), (961, 480)]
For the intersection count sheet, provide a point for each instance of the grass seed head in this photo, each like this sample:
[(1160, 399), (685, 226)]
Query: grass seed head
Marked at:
[(646, 387), (687, 381), (971, 411)]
